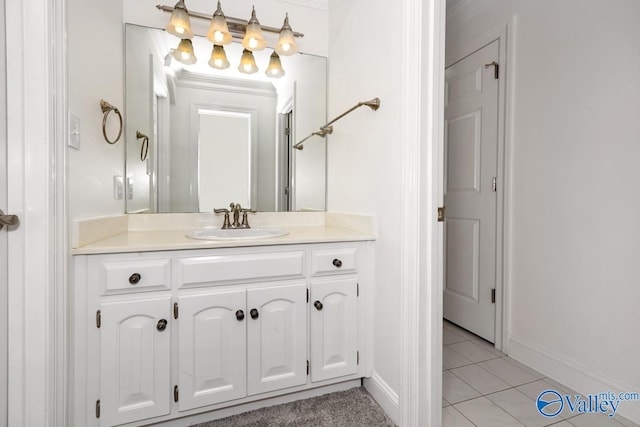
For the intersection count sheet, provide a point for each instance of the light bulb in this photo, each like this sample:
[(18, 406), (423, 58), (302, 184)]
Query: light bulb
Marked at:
[(247, 63), (184, 52), (286, 42), (253, 39), (179, 24), (218, 30), (274, 69), (218, 58)]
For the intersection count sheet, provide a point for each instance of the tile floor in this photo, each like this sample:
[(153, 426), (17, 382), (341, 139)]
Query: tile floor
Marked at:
[(483, 387)]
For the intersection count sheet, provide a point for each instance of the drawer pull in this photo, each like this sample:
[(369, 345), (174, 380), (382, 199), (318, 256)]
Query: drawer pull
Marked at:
[(240, 315), (337, 263), (162, 325), (254, 313), (135, 278), (318, 305)]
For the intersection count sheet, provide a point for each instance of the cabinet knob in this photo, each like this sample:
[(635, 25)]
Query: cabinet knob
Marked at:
[(254, 313), (240, 315), (318, 305), (162, 325), (135, 278), (337, 263)]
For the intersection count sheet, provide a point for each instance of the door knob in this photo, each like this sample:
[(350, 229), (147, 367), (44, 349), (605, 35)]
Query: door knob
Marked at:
[(337, 263), (8, 220), (254, 313), (134, 278), (162, 325), (318, 305), (240, 315)]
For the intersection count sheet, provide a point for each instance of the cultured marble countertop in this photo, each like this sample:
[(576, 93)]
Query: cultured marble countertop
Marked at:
[(155, 240)]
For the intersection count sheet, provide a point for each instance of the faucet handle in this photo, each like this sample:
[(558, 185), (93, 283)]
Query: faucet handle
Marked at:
[(245, 219), (215, 210)]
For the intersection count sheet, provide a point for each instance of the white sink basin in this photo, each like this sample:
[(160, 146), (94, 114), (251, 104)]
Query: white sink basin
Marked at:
[(237, 233)]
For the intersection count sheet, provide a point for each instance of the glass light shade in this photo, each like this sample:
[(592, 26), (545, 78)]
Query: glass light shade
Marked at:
[(218, 32), (184, 52), (179, 24), (218, 58), (247, 63), (286, 42), (253, 38), (274, 69)]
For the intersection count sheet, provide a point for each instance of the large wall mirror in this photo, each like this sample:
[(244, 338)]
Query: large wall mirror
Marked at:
[(198, 138)]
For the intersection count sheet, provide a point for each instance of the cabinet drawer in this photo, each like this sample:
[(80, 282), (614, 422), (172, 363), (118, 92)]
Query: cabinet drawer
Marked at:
[(333, 261), (123, 276), (238, 268)]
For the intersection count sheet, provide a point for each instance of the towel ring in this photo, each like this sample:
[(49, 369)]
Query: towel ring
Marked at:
[(144, 150), (106, 109)]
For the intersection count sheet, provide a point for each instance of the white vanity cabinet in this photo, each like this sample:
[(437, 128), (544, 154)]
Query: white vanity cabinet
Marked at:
[(158, 336)]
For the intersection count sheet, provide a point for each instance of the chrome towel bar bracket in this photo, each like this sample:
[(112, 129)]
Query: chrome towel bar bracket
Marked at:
[(327, 129)]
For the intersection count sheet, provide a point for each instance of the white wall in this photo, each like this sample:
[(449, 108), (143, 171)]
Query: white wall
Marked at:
[(311, 21), (575, 229), (95, 71), (363, 153)]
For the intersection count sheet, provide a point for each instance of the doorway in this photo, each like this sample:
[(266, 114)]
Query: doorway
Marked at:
[(471, 191)]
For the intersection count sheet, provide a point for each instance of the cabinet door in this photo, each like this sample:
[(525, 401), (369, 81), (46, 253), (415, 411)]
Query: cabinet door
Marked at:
[(334, 328), (212, 350), (135, 380), (277, 337)]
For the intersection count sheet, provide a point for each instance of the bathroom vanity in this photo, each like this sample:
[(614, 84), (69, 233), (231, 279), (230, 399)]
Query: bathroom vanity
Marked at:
[(165, 327)]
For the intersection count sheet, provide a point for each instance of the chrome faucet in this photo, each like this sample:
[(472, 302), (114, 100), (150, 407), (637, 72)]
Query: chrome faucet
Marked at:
[(235, 209)]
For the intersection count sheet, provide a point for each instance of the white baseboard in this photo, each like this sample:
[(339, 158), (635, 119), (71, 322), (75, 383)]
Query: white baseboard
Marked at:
[(571, 374), (384, 396)]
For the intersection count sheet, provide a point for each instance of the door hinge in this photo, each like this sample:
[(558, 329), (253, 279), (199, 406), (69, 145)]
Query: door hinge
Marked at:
[(98, 408), (98, 319), (357, 290), (494, 184), (308, 367), (493, 295), (287, 131), (175, 310), (307, 294), (358, 358), (441, 214), (496, 69), (176, 395)]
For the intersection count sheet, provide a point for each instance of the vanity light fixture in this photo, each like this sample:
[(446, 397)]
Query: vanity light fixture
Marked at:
[(179, 24), (247, 63), (218, 58), (219, 30), (286, 42), (184, 52), (253, 38), (274, 69)]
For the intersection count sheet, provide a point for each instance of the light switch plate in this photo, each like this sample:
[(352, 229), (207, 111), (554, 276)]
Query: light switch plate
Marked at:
[(73, 140), (118, 187)]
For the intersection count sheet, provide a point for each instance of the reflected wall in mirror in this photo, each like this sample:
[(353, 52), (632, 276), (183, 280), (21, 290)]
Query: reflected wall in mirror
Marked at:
[(220, 136)]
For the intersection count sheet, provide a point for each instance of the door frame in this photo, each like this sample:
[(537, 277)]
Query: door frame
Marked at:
[(36, 152), (505, 37), (423, 63)]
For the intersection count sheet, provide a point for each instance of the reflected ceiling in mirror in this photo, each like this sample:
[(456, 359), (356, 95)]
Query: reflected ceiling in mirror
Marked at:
[(220, 136)]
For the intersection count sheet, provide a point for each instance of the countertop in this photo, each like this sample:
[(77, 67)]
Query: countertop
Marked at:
[(155, 240)]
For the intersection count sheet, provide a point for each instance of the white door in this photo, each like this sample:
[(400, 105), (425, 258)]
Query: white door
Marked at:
[(213, 346), (135, 376), (276, 337), (471, 153), (334, 328)]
